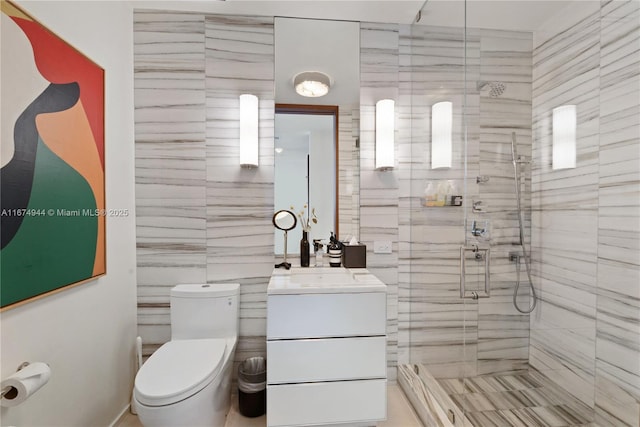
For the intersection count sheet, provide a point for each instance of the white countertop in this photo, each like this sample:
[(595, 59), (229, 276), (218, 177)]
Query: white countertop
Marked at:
[(321, 280)]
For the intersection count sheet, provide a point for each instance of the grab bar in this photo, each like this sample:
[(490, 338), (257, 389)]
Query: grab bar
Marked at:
[(480, 253)]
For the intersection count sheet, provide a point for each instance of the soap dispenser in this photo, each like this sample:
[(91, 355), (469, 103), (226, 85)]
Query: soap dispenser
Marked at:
[(317, 248), (335, 252)]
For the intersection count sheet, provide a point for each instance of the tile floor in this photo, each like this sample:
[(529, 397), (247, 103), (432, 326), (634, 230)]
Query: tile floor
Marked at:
[(516, 400), (399, 414)]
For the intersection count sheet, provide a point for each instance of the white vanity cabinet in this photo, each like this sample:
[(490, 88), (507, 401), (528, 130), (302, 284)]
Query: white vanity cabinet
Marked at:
[(326, 347)]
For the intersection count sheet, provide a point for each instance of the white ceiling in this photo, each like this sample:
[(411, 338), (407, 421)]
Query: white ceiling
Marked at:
[(512, 15)]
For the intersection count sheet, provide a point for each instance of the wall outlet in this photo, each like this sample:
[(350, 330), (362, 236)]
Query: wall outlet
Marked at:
[(382, 247)]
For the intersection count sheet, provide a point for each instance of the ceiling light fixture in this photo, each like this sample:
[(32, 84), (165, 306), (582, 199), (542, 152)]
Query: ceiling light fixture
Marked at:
[(312, 84)]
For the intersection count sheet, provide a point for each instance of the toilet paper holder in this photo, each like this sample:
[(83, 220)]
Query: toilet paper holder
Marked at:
[(10, 389)]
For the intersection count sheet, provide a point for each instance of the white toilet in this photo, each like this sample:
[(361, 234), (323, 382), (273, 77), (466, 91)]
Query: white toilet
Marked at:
[(187, 381)]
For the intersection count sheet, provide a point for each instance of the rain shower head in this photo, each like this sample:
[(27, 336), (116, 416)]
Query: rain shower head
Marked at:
[(495, 88)]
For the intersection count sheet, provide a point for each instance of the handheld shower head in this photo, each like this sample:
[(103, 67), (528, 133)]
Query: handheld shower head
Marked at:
[(495, 88)]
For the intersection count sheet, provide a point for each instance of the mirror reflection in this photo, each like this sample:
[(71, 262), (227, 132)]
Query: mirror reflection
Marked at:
[(305, 168)]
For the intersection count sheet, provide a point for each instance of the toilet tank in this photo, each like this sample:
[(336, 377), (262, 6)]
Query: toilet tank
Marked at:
[(204, 311)]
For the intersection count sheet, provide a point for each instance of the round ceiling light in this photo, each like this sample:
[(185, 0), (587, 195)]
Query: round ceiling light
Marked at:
[(312, 84)]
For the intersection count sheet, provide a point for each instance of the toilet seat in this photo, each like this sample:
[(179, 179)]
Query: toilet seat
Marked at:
[(178, 370)]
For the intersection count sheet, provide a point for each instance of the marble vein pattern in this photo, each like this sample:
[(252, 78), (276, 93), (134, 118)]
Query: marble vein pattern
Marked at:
[(239, 56), (565, 207), (169, 73), (452, 336), (379, 47), (585, 334), (200, 217), (617, 398), (522, 399)]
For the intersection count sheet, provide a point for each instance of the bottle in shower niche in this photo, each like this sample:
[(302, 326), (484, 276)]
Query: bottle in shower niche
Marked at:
[(335, 252), (304, 249)]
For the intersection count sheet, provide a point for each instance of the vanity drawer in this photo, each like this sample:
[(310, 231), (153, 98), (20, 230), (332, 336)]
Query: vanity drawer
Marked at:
[(326, 315), (326, 359), (326, 403)]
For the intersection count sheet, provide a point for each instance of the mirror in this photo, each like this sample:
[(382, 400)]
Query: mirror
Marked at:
[(284, 220), (325, 157), (305, 166)]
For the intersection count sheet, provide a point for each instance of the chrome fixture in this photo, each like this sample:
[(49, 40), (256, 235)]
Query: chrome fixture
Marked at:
[(515, 257), (481, 179), (477, 206), (479, 231), (479, 254), (496, 88)]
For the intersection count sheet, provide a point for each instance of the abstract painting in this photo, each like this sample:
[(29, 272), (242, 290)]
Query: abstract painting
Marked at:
[(52, 192)]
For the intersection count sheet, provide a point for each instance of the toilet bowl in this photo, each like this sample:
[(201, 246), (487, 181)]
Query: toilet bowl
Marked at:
[(187, 381)]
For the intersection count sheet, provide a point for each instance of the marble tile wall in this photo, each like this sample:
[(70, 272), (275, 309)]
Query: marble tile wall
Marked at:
[(433, 315), (565, 208), (200, 217), (379, 45), (456, 337), (617, 366), (239, 57), (170, 146), (503, 332), (585, 334)]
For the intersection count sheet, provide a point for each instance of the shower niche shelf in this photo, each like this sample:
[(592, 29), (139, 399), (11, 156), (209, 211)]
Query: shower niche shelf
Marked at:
[(447, 201), (440, 193)]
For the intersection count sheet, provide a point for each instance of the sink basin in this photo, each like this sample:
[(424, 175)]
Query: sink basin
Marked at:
[(318, 278), (323, 279)]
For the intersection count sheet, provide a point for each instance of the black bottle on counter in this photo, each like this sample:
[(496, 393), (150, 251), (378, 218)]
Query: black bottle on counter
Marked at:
[(335, 251)]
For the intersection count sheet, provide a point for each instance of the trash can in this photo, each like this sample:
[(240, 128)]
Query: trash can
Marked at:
[(252, 387)]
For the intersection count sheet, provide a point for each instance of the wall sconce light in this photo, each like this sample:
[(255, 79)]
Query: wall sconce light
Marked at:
[(564, 137), (248, 131), (385, 129), (441, 134), (312, 84)]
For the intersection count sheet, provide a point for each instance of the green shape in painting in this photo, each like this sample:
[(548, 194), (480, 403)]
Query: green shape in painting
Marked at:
[(56, 246)]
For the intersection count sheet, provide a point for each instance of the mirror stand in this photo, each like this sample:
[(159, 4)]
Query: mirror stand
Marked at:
[(285, 264)]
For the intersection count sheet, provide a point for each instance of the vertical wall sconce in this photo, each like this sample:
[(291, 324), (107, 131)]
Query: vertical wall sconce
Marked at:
[(248, 131), (441, 134), (564, 137), (385, 129)]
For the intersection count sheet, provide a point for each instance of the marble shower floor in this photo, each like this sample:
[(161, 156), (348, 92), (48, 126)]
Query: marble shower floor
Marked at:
[(521, 400)]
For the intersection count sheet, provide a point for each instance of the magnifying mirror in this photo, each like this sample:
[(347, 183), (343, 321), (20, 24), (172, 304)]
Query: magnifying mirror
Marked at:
[(284, 220)]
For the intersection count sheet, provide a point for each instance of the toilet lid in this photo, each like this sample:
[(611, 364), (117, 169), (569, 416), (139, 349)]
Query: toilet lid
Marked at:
[(178, 369)]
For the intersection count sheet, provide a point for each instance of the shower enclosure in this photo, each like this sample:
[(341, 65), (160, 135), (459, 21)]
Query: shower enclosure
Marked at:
[(501, 296)]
